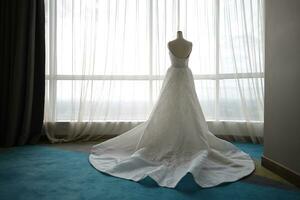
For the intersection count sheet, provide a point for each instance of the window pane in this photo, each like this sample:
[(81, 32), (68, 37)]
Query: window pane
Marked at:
[(241, 36), (199, 23), (101, 37), (102, 100), (241, 99)]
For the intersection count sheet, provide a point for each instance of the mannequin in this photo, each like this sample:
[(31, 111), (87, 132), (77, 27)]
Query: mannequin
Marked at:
[(180, 47)]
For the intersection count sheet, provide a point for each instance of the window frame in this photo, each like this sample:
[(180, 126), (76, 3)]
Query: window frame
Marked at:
[(217, 77)]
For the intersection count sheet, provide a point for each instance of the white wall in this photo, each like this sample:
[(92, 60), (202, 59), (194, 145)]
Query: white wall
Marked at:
[(282, 83)]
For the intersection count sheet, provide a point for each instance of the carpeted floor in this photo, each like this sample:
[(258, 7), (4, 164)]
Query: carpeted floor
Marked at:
[(62, 171)]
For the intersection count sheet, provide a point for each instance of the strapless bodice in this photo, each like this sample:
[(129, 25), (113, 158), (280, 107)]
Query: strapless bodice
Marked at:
[(178, 62)]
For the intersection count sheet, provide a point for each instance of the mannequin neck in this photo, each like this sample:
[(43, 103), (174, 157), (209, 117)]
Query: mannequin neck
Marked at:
[(179, 35)]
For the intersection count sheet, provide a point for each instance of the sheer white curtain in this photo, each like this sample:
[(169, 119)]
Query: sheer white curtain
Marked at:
[(106, 60)]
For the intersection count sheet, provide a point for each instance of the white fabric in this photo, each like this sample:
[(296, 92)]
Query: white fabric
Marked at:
[(174, 140), (106, 60)]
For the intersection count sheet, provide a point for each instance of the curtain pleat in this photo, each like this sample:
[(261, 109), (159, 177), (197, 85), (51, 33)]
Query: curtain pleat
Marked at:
[(22, 60)]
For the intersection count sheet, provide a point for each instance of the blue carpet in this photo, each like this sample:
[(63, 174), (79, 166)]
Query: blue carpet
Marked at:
[(37, 172), (254, 150)]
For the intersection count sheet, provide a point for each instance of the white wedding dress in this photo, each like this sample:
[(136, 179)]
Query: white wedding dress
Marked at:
[(174, 140)]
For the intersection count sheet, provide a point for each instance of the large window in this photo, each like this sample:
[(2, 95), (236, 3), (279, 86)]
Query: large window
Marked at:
[(106, 59)]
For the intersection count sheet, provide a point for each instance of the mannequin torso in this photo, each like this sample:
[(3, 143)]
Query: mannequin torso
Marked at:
[(180, 47)]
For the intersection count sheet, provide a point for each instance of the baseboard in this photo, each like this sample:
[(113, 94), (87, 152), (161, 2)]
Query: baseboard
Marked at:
[(243, 139), (281, 170)]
